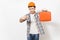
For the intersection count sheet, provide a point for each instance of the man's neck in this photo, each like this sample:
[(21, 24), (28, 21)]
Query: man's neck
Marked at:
[(33, 12)]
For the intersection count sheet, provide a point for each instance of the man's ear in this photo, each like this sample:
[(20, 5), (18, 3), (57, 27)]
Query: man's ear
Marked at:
[(35, 8)]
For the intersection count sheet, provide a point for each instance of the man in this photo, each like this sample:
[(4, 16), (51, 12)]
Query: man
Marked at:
[(34, 27)]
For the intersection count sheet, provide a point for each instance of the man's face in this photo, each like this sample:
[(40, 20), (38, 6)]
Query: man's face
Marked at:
[(32, 9)]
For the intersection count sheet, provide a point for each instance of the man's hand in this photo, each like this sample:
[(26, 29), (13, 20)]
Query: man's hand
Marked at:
[(44, 10), (22, 19)]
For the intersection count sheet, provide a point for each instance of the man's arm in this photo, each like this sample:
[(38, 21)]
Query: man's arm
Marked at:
[(22, 19)]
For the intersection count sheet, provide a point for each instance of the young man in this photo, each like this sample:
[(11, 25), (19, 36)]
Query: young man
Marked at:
[(34, 27)]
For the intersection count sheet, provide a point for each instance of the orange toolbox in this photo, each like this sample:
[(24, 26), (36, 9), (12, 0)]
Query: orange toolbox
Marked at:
[(45, 15)]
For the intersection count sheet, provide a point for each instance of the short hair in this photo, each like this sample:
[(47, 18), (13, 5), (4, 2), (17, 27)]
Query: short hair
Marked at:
[(32, 6)]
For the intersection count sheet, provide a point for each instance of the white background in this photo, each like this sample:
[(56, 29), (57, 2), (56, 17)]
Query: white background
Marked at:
[(12, 10)]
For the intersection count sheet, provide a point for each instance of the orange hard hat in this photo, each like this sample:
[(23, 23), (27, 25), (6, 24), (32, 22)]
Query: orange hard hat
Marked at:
[(31, 4)]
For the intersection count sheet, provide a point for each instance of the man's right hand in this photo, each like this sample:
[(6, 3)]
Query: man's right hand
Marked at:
[(22, 19)]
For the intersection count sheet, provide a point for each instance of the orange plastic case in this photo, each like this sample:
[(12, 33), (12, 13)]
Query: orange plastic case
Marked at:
[(45, 15)]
